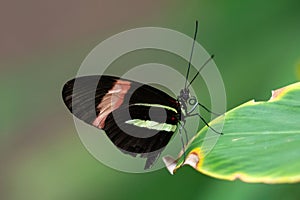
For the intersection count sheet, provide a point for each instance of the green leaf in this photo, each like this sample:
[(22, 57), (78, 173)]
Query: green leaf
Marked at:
[(261, 142)]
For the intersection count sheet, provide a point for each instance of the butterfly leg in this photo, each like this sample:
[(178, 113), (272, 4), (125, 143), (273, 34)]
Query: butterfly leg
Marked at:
[(194, 102), (205, 108), (202, 119), (181, 137), (185, 132)]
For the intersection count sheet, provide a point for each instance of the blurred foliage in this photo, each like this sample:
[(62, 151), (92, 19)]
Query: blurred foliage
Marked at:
[(256, 44)]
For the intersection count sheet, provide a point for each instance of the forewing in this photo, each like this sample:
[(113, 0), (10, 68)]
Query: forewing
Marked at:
[(138, 118)]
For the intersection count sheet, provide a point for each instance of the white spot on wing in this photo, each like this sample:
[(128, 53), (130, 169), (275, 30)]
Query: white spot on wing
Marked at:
[(152, 125)]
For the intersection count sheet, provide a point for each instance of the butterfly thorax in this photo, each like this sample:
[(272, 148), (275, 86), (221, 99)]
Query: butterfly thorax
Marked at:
[(186, 100), (183, 99)]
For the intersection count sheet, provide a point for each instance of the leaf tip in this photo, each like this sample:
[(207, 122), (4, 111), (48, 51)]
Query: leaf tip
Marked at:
[(276, 94), (192, 160), (170, 163)]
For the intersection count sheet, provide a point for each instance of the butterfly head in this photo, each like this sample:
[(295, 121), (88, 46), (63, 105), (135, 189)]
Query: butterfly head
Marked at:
[(185, 94)]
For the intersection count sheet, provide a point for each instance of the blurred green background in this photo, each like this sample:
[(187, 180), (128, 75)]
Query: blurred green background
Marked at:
[(43, 43)]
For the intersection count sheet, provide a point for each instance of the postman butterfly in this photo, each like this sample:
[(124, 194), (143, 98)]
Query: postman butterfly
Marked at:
[(137, 118)]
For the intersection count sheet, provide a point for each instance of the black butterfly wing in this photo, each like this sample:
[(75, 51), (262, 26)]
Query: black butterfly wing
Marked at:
[(82, 95), (138, 118)]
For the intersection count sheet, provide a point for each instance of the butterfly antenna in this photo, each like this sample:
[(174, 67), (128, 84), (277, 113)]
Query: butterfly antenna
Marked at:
[(188, 71), (204, 64)]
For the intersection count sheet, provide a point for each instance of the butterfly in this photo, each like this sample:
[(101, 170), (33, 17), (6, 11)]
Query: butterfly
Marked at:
[(137, 118)]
